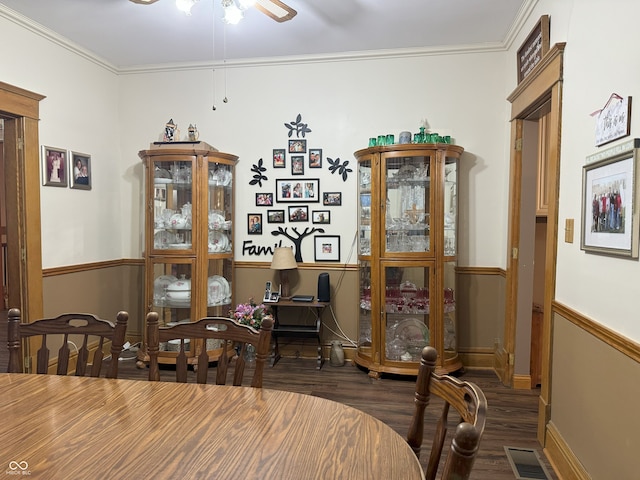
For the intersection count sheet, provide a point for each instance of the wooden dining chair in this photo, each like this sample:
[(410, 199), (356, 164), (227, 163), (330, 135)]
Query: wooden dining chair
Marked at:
[(470, 403), (231, 334), (94, 331)]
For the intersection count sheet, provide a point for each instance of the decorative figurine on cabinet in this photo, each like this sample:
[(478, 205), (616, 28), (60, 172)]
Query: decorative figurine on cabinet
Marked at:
[(170, 130), (193, 133)]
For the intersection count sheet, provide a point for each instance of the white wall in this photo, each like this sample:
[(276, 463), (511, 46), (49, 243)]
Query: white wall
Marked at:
[(93, 110), (80, 114), (344, 103), (599, 61)]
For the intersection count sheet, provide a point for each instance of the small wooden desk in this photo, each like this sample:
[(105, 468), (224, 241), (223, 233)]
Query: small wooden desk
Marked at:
[(299, 331), (79, 427)]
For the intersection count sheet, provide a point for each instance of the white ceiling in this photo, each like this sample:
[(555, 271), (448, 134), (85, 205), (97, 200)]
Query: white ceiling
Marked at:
[(127, 35)]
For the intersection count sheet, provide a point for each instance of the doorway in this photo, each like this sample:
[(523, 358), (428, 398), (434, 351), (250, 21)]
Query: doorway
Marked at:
[(541, 90), (19, 110)]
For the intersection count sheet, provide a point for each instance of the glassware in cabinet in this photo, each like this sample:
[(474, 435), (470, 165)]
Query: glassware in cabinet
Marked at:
[(407, 247), (172, 204), (189, 231), (407, 181)]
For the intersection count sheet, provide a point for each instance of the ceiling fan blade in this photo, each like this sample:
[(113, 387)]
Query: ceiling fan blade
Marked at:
[(144, 2), (277, 10)]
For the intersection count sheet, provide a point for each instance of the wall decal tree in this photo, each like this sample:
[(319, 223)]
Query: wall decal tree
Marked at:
[(297, 240)]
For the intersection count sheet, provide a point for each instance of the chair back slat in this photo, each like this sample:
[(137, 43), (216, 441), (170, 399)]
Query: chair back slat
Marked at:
[(231, 336), (63, 358), (42, 359), (87, 325), (470, 403)]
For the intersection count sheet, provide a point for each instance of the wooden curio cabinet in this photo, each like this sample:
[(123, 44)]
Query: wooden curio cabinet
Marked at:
[(189, 266), (407, 224)]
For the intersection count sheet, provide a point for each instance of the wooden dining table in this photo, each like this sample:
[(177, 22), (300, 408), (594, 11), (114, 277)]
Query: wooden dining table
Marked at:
[(57, 427)]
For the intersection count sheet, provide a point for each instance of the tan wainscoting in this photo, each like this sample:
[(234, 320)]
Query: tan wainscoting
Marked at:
[(100, 288), (562, 459), (598, 369), (477, 357), (480, 302), (104, 288)]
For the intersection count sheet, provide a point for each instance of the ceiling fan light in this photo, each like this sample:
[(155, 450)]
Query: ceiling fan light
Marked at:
[(246, 4), (185, 5), (232, 14)]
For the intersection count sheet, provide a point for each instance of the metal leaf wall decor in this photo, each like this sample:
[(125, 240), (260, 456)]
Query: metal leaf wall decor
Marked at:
[(258, 175), (300, 129), (342, 169)]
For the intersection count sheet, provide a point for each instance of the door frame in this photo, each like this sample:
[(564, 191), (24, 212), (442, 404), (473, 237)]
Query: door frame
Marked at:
[(19, 109), (543, 85)]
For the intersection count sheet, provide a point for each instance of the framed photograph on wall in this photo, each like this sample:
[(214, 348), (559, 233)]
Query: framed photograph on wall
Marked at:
[(275, 216), (321, 216), (264, 199), (332, 198), (298, 190), (299, 213), (297, 146), (279, 158), (327, 248), (297, 165), (315, 158), (80, 170), (610, 204), (254, 224), (54, 167)]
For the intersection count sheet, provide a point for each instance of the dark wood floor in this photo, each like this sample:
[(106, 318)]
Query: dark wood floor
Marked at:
[(511, 419)]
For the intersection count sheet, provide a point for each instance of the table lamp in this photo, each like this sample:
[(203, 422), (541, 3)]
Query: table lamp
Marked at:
[(283, 261)]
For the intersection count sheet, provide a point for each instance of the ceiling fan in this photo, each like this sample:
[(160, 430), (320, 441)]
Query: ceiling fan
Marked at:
[(275, 9)]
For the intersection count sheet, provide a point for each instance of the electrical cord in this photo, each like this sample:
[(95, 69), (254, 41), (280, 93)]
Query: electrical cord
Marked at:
[(342, 334)]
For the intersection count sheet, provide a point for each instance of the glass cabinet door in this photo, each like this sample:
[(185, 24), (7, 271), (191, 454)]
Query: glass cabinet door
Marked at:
[(220, 207), (407, 247), (172, 294), (364, 207), (406, 318), (450, 326), (408, 204), (219, 287), (450, 205), (172, 205), (365, 322)]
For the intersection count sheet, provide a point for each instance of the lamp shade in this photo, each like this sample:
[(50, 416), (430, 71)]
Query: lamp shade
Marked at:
[(283, 259)]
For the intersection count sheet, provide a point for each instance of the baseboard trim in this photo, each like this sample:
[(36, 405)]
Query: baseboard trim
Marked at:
[(522, 382), (564, 462), (477, 358)]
